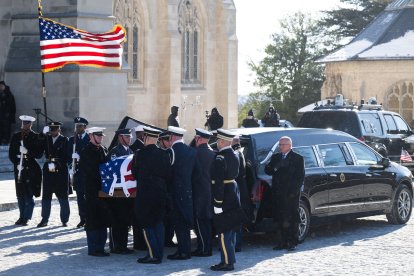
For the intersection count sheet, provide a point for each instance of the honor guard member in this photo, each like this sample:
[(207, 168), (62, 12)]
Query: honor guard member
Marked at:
[(287, 169), (203, 209), (23, 150), (152, 170), (244, 194), (55, 172), (121, 208), (139, 142), (226, 201), (76, 144), (97, 215), (181, 192)]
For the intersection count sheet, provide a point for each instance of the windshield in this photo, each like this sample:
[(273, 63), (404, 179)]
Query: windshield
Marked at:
[(343, 121)]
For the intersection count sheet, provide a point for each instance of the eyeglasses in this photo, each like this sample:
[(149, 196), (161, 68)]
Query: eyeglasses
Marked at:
[(284, 144)]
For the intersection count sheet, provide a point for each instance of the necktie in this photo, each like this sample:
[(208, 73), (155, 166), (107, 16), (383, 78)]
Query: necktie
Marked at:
[(283, 155)]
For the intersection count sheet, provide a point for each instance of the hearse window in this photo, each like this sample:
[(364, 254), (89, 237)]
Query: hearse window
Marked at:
[(364, 155), (308, 156), (402, 126), (371, 123), (332, 155), (392, 127)]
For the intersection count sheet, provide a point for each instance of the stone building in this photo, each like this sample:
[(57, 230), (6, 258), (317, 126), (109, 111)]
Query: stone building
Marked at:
[(378, 62), (178, 52)]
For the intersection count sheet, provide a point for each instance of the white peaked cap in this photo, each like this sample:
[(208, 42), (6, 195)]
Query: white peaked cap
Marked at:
[(177, 131), (27, 118)]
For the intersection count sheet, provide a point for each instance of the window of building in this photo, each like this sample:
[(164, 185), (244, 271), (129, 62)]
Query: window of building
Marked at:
[(190, 29)]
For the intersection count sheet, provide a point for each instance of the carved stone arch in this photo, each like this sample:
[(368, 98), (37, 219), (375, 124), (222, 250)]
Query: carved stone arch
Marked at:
[(399, 98), (191, 26), (130, 14)]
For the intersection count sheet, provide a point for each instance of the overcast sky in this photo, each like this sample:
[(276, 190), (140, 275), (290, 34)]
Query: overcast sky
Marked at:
[(257, 20)]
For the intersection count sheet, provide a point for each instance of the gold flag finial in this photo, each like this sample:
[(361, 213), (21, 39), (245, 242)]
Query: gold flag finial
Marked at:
[(39, 7)]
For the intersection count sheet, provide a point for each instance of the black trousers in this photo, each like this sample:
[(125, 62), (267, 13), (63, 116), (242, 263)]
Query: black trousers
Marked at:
[(203, 233), (118, 238)]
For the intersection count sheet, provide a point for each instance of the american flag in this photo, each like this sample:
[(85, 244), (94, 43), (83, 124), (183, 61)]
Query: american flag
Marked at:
[(61, 45), (116, 173), (405, 156)]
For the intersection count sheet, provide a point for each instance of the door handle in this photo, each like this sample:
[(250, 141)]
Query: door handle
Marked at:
[(333, 175)]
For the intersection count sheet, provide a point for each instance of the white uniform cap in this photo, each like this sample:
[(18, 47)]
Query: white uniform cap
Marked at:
[(96, 130), (139, 128), (176, 131), (27, 118)]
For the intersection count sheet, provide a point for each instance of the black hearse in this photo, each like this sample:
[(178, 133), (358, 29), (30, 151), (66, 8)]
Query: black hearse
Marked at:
[(343, 177)]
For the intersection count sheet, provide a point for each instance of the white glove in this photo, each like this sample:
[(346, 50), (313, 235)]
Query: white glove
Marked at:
[(218, 210), (23, 150), (71, 171), (75, 156), (46, 129)]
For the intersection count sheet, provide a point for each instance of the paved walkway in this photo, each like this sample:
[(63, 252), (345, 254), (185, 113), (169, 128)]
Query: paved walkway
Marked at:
[(8, 200)]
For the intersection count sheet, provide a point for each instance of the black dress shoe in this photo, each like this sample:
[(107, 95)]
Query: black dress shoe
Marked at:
[(124, 251), (19, 221), (291, 247), (99, 254), (80, 224), (64, 224), (148, 260), (24, 222), (179, 256), (222, 267), (199, 253), (42, 224)]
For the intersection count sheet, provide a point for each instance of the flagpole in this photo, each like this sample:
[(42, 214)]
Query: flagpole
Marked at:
[(39, 8)]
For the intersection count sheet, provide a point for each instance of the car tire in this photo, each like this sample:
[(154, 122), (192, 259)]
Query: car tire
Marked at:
[(304, 222), (401, 206)]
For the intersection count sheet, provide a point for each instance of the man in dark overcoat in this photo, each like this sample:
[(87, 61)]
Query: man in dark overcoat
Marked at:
[(287, 169), (98, 216), (182, 193), (80, 139), (172, 118), (152, 170), (7, 112), (24, 146), (121, 208), (55, 172), (226, 199), (203, 209)]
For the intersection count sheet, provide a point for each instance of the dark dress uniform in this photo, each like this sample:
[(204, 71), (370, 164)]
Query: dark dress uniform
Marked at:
[(203, 209), (250, 122), (182, 198), (244, 193), (137, 145), (55, 180), (7, 113), (287, 179), (152, 170), (31, 175), (224, 171), (122, 211), (78, 179), (98, 216)]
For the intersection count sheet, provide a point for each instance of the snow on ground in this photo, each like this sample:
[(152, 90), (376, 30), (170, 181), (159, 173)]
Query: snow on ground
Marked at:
[(368, 246)]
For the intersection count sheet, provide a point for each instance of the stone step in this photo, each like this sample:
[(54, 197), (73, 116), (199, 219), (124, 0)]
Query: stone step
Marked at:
[(5, 161), (6, 168), (4, 154)]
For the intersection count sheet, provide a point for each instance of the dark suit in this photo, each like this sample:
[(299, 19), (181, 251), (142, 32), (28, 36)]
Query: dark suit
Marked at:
[(78, 178), (56, 181), (152, 170), (203, 209), (224, 171), (121, 208), (172, 121), (182, 195), (287, 179), (31, 176), (98, 216)]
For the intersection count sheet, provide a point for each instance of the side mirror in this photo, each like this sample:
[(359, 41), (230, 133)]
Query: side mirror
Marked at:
[(385, 162)]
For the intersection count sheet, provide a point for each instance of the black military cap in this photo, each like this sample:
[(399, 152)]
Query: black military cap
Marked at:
[(54, 124), (152, 132), (203, 133), (124, 131), (81, 121), (225, 134)]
